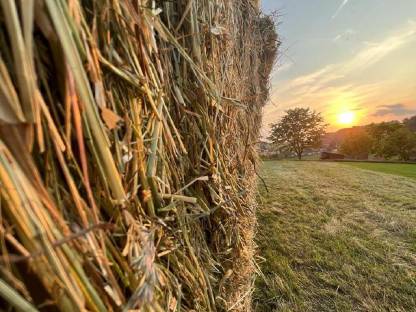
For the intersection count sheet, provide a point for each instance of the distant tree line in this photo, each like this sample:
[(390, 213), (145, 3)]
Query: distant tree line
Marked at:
[(386, 140), (302, 128)]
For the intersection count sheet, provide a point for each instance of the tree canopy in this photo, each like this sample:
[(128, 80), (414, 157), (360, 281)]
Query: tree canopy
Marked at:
[(357, 145), (410, 123), (401, 143), (380, 132), (386, 140), (299, 128)]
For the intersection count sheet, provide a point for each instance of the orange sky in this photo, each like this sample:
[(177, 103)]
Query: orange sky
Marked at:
[(343, 61)]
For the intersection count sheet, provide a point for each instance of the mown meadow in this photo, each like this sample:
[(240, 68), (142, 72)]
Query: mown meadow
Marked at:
[(335, 237), (406, 170)]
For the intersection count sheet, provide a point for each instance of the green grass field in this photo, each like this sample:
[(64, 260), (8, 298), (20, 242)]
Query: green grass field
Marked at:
[(406, 170), (335, 237)]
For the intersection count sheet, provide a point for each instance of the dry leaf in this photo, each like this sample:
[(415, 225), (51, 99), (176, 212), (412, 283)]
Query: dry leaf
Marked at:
[(110, 118)]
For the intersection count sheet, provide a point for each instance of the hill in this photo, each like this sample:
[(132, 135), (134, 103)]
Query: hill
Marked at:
[(333, 140)]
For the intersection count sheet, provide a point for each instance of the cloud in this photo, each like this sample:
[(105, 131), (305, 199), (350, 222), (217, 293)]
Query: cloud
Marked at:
[(343, 4), (284, 67), (370, 54), (347, 35), (393, 109), (348, 84), (375, 52), (338, 85)]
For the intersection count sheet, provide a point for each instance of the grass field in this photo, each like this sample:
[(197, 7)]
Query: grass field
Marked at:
[(335, 238), (406, 170)]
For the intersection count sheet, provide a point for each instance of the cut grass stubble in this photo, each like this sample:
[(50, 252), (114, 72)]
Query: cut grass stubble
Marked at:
[(336, 238)]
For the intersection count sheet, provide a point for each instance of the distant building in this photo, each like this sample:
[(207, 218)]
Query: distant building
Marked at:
[(265, 149), (331, 156)]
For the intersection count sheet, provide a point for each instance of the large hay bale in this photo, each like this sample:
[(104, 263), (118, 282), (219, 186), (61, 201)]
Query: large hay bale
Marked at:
[(127, 162)]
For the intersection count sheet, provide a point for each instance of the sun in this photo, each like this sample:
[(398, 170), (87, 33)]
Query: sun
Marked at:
[(346, 118)]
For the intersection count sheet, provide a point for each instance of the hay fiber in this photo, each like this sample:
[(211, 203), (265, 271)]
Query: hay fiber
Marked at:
[(127, 161)]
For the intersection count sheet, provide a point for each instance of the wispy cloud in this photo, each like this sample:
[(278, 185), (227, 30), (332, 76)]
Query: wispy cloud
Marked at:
[(370, 54), (284, 67), (347, 35), (375, 52), (393, 109), (343, 4), (335, 85)]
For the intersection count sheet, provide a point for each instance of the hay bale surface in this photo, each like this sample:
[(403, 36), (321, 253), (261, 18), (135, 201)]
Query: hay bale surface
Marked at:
[(127, 161)]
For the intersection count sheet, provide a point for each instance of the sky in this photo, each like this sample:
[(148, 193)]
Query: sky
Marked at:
[(344, 58)]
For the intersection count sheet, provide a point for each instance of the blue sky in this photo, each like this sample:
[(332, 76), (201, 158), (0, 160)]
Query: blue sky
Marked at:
[(340, 56)]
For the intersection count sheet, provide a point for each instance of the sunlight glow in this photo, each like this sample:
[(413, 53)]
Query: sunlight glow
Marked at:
[(346, 118)]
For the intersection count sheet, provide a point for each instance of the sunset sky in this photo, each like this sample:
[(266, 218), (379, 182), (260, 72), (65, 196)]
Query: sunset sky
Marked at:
[(352, 60)]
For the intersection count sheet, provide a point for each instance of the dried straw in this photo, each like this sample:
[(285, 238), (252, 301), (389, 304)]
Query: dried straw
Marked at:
[(127, 152)]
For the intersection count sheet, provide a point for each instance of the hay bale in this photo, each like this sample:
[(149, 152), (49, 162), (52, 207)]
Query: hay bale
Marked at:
[(127, 161)]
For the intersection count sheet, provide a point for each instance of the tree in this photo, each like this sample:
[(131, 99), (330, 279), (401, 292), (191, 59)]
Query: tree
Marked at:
[(380, 133), (298, 129), (410, 123), (357, 145), (401, 142)]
